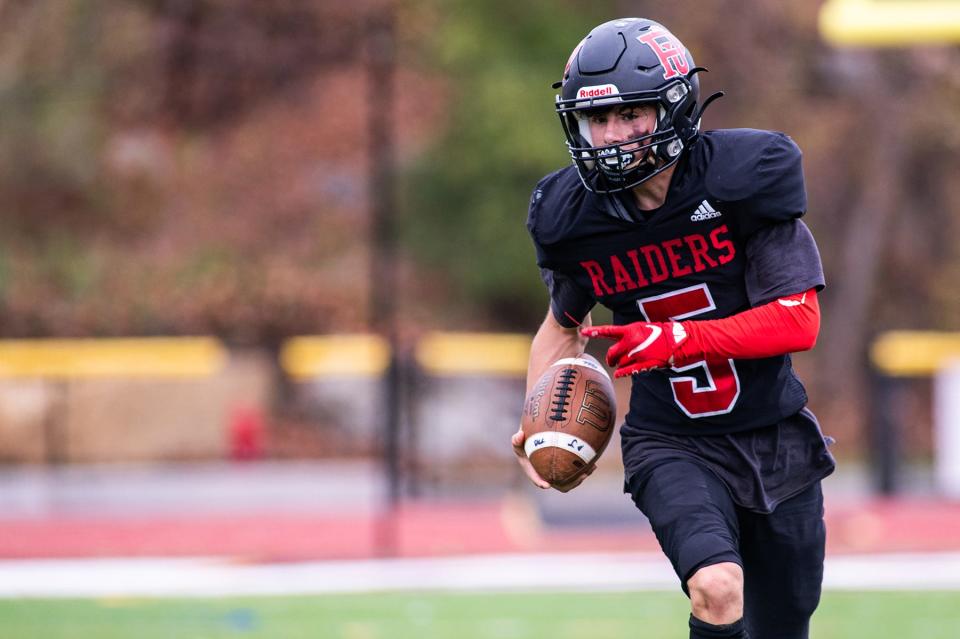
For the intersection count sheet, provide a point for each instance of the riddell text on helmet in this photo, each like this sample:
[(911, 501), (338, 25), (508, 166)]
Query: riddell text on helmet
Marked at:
[(598, 91)]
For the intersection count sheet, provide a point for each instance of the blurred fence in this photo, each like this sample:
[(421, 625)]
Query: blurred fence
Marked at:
[(899, 359), (106, 400), (322, 396), (119, 399)]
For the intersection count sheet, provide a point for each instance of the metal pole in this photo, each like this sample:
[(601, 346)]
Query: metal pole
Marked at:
[(884, 425), (55, 425), (382, 193)]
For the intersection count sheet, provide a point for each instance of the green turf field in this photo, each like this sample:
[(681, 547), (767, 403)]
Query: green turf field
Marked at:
[(453, 616)]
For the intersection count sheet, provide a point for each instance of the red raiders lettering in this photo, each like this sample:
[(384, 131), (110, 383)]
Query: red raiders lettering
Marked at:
[(641, 280), (722, 244), (596, 277), (650, 252), (653, 263), (700, 252), (672, 55), (623, 280), (671, 247)]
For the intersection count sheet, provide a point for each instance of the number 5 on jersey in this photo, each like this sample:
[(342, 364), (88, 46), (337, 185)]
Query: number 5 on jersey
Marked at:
[(722, 388)]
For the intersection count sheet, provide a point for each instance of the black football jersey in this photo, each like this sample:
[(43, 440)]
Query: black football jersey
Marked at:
[(725, 239)]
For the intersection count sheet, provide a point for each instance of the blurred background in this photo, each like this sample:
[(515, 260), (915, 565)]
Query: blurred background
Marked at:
[(266, 289)]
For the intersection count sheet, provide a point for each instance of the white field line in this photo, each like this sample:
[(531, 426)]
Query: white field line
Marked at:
[(213, 577)]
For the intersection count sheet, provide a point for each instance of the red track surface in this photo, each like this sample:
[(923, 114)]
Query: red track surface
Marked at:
[(423, 529)]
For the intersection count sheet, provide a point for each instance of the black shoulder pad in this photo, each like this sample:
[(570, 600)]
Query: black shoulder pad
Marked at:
[(552, 205), (760, 172)]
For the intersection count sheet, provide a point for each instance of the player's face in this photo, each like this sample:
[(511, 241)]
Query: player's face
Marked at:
[(621, 123)]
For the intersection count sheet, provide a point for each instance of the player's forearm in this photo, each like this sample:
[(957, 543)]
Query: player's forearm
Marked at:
[(553, 342), (787, 325)]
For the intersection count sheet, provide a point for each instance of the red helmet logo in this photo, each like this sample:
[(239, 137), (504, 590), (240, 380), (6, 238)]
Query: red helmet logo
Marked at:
[(672, 54)]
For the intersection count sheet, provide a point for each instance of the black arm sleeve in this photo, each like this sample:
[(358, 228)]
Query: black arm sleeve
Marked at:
[(569, 303), (782, 259)]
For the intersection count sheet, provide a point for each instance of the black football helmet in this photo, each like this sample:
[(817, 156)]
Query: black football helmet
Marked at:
[(629, 60)]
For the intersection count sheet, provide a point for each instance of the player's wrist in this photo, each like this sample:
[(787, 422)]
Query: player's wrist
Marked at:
[(689, 349)]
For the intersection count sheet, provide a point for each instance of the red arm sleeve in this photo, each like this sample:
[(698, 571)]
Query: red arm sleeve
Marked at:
[(787, 325)]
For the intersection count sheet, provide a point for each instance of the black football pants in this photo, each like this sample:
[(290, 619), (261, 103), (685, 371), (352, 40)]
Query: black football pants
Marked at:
[(698, 524)]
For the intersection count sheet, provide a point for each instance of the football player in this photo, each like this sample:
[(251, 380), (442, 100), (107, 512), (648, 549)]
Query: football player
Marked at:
[(693, 240)]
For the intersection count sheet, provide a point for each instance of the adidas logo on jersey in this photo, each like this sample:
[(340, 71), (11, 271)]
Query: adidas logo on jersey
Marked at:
[(704, 212)]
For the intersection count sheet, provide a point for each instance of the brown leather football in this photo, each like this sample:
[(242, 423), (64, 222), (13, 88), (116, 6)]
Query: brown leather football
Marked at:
[(568, 418)]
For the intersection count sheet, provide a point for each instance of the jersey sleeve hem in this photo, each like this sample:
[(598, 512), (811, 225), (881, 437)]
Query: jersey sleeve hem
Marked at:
[(795, 287)]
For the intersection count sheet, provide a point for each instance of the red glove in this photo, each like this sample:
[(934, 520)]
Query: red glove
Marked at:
[(642, 346)]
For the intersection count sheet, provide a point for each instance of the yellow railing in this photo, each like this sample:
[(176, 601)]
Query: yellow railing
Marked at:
[(312, 356), (890, 23), (438, 353), (896, 353), (914, 353), (473, 353), (305, 357), (121, 357)]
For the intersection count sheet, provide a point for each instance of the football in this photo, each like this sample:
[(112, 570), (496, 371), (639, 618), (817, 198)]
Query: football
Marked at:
[(568, 418)]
